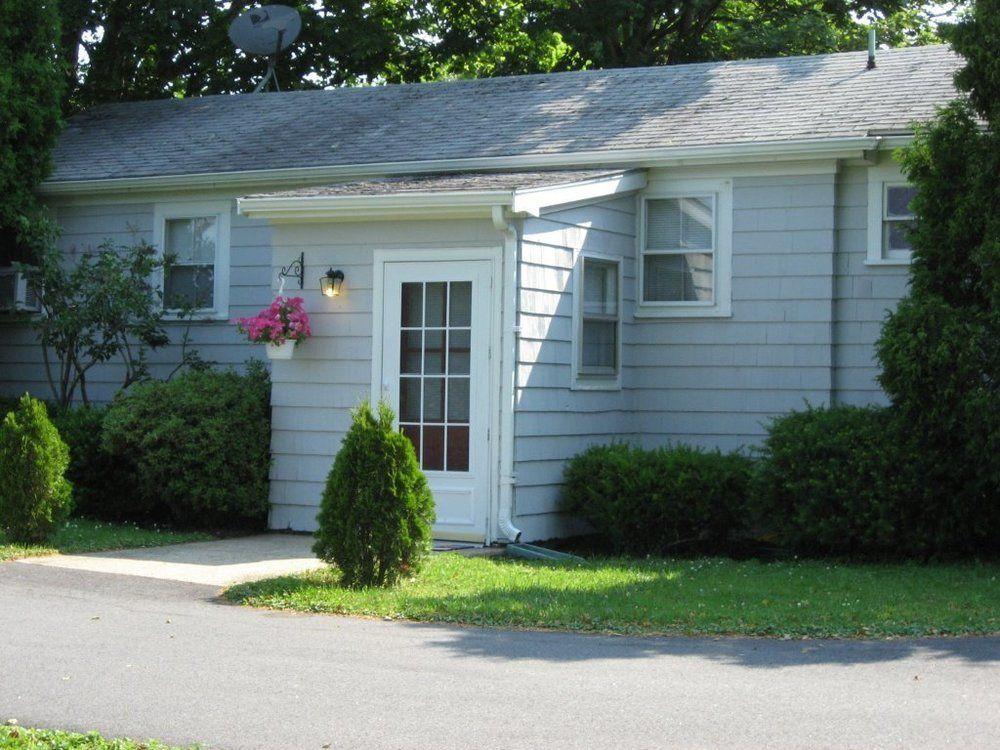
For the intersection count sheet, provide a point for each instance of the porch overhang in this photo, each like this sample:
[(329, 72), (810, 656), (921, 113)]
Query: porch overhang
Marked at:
[(457, 196)]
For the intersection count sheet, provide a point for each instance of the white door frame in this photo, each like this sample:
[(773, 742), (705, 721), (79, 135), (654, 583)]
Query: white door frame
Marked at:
[(494, 255)]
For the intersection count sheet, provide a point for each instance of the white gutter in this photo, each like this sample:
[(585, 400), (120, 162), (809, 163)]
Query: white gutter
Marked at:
[(509, 338), (818, 148)]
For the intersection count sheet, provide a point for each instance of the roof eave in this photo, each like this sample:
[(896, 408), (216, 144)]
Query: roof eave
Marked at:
[(443, 204), (753, 151), (408, 205)]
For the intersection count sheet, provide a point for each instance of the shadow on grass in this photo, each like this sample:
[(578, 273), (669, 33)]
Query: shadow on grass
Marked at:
[(649, 603)]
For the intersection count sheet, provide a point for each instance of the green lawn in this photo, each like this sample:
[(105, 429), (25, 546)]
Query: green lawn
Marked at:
[(657, 596), (19, 738), (82, 535)]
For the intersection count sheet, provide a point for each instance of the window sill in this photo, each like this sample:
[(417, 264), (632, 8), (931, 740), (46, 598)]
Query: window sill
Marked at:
[(595, 383), (876, 262), (206, 316), (655, 312)]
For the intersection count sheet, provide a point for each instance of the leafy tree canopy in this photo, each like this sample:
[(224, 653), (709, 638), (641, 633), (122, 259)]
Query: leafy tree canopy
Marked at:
[(940, 350), (141, 49), (30, 89)]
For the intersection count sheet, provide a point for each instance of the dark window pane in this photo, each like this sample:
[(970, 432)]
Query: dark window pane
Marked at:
[(412, 431), (188, 286), (458, 399), (433, 449), (458, 448), (898, 198), (459, 344), (599, 344), (413, 305), (409, 399), (898, 236), (433, 399), (434, 353), (409, 352), (436, 304), (677, 278), (460, 305)]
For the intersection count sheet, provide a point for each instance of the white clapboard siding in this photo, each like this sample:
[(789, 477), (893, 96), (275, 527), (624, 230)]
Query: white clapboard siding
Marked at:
[(552, 422), (84, 228), (312, 394)]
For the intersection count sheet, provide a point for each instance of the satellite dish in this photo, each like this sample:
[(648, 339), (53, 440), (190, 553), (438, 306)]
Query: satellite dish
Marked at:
[(266, 31)]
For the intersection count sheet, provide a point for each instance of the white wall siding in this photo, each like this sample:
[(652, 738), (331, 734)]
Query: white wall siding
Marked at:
[(313, 393), (553, 422), (864, 295), (717, 382), (84, 228)]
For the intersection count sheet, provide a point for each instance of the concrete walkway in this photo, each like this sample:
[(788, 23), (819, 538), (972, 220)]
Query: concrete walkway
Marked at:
[(140, 657), (217, 563)]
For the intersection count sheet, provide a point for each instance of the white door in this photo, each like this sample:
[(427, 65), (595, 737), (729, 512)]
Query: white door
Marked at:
[(435, 373)]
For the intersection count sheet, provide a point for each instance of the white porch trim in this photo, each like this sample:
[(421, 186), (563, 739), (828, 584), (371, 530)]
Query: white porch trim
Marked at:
[(448, 204)]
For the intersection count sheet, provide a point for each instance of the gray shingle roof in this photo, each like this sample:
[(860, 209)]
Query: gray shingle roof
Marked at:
[(432, 183), (822, 96)]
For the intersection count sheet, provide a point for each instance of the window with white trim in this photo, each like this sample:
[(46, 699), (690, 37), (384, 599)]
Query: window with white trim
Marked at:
[(685, 242), (194, 243), (597, 335), (890, 217)]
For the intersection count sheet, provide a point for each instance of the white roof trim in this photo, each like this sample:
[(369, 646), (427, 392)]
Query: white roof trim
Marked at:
[(843, 147), (445, 204)]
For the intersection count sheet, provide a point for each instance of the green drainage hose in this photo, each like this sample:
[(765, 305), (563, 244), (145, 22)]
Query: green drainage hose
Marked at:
[(533, 552)]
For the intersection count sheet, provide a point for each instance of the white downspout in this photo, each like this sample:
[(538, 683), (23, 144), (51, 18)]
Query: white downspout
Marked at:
[(510, 331)]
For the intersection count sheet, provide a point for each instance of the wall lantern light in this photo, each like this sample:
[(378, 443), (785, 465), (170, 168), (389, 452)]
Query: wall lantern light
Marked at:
[(331, 282)]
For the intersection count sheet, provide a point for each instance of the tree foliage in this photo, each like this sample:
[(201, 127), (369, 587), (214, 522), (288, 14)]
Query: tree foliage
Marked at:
[(96, 307), (940, 350), (149, 49), (31, 82)]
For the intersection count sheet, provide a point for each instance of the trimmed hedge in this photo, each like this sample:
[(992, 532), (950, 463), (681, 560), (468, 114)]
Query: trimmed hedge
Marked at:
[(834, 480), (103, 484), (652, 501), (200, 447), (852, 480), (35, 496)]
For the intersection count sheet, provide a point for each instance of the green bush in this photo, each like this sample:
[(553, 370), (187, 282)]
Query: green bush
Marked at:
[(653, 501), (34, 494), (200, 446), (103, 484), (377, 511), (835, 480)]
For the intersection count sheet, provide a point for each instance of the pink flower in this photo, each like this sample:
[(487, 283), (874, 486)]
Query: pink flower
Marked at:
[(283, 320)]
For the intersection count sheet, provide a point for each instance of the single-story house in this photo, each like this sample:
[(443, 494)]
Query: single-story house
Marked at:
[(531, 264)]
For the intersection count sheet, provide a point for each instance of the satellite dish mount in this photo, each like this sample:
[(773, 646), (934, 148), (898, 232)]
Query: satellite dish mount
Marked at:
[(272, 61), (266, 31)]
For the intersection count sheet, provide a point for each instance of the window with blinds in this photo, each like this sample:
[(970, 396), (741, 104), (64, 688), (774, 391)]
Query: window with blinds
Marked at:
[(678, 256)]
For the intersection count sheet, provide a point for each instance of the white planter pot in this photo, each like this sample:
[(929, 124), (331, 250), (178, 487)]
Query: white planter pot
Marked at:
[(280, 351)]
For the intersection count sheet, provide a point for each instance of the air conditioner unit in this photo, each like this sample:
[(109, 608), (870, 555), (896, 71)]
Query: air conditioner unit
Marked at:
[(16, 295)]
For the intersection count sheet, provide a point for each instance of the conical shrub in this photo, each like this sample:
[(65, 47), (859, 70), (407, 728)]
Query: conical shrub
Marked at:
[(35, 495), (377, 511)]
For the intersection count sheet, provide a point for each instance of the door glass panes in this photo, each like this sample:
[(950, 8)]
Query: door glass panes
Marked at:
[(434, 373)]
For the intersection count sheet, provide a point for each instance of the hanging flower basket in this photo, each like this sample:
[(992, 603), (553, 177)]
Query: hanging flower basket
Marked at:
[(284, 350), (281, 326)]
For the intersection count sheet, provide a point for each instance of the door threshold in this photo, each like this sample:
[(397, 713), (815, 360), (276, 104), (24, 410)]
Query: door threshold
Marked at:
[(450, 545)]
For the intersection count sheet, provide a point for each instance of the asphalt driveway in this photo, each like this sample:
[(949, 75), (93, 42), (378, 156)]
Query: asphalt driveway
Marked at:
[(143, 657)]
